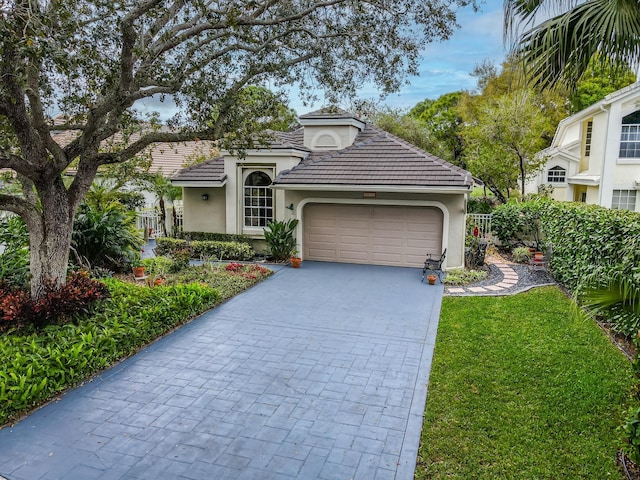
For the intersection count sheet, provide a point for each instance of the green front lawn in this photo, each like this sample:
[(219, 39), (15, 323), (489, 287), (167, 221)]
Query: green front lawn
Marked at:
[(521, 388)]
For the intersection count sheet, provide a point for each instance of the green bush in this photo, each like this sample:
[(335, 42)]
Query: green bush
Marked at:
[(507, 222), (14, 261), (279, 236), (206, 249), (481, 204), (215, 237), (106, 236), (35, 366), (166, 245)]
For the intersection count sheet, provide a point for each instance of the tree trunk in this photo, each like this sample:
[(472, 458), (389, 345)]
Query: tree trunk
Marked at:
[(50, 239), (174, 215), (163, 216)]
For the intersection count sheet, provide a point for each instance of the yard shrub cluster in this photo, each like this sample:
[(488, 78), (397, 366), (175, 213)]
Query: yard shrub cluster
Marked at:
[(215, 237), (205, 248), (37, 364), (57, 305), (14, 260)]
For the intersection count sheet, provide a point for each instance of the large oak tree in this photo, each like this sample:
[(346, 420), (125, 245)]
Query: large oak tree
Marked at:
[(89, 61)]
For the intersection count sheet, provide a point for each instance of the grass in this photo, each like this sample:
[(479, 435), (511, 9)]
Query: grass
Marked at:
[(521, 388)]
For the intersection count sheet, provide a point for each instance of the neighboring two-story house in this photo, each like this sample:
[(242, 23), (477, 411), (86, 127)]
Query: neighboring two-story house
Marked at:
[(595, 154), (361, 194)]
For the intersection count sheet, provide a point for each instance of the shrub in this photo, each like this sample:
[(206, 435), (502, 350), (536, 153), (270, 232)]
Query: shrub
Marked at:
[(463, 277), (166, 245), (56, 305), (481, 204), (279, 236), (215, 237), (507, 222), (521, 254), (14, 261), (106, 236), (206, 249)]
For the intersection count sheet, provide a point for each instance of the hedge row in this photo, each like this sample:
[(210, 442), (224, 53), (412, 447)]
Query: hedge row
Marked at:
[(587, 241), (215, 237), (36, 366), (206, 248)]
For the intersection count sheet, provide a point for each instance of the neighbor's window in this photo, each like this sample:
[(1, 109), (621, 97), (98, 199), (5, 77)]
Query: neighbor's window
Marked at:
[(258, 200), (587, 139), (556, 175), (630, 136), (624, 200)]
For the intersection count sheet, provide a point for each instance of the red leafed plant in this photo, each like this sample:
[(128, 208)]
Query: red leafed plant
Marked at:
[(57, 304)]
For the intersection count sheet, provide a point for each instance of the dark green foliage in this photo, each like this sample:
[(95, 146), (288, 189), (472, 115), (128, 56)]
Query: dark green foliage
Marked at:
[(14, 260), (35, 366), (507, 222), (481, 204), (106, 236), (56, 305), (279, 236), (216, 237), (205, 249)]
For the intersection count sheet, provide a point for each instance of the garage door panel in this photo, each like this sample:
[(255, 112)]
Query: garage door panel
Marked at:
[(371, 234)]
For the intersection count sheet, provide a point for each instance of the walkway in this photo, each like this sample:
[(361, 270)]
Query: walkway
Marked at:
[(316, 373), (504, 279)]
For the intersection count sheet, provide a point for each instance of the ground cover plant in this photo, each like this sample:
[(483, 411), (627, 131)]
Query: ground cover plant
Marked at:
[(38, 363), (522, 388)]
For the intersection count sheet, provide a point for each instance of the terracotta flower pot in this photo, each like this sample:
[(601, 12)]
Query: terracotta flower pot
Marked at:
[(295, 262), (431, 279), (138, 272), (157, 281)]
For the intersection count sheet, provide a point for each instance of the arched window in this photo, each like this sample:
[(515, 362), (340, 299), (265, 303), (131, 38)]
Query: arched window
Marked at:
[(630, 136), (556, 175), (258, 200)]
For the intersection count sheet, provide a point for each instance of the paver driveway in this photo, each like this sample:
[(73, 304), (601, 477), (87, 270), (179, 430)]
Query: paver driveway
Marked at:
[(319, 372)]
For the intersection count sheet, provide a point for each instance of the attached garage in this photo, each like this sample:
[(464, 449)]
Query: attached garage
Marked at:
[(371, 234)]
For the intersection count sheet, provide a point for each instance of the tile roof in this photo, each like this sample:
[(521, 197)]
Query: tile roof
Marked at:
[(167, 158), (376, 158), (208, 171)]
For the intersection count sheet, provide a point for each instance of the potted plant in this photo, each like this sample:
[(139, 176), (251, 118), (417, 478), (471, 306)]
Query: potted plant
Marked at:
[(279, 236), (138, 268), (295, 259), (431, 279)]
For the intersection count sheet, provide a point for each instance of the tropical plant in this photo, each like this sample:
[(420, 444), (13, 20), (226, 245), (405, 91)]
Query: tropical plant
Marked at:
[(106, 237), (560, 49), (14, 259), (279, 236)]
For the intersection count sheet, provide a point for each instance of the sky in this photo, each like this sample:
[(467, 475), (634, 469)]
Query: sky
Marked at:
[(445, 66)]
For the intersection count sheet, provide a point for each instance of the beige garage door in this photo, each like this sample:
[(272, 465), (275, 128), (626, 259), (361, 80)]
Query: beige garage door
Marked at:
[(377, 235)]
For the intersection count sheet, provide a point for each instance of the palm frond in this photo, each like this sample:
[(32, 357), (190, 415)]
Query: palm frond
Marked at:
[(558, 50)]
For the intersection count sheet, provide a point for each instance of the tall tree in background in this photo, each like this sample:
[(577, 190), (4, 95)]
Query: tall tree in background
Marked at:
[(501, 144), (93, 60), (597, 82), (560, 49)]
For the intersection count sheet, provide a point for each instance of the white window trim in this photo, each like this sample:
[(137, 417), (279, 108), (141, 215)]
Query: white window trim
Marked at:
[(246, 171), (557, 169)]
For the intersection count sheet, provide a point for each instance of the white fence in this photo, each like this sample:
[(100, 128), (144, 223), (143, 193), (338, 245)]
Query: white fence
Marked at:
[(482, 221), (149, 220)]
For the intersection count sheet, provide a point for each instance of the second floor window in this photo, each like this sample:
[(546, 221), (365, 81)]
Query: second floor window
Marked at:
[(587, 139), (630, 136), (556, 175)]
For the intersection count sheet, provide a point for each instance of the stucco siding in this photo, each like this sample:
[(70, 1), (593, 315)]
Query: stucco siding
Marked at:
[(204, 215)]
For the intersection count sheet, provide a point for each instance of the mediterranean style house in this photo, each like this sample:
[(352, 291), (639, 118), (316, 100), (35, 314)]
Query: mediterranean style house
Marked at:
[(595, 154), (361, 195)]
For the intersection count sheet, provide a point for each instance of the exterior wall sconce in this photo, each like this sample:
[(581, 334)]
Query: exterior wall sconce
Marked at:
[(205, 196), (290, 207)]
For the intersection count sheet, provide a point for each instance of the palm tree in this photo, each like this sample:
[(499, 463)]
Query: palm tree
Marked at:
[(558, 49)]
